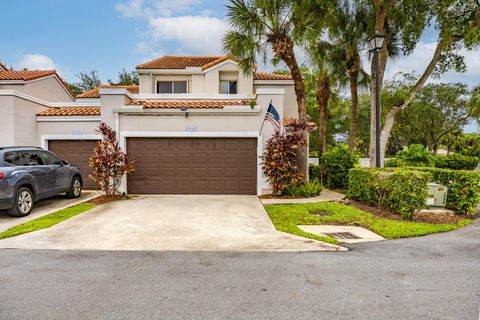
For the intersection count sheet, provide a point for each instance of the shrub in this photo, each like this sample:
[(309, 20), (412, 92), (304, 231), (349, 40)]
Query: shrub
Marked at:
[(395, 163), (468, 145), (416, 155), (109, 162), (334, 166), (403, 191), (314, 172), (280, 161), (311, 189), (456, 161), (463, 186)]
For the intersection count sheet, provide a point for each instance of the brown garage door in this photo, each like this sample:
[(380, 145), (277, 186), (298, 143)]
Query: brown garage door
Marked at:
[(77, 152), (193, 165)]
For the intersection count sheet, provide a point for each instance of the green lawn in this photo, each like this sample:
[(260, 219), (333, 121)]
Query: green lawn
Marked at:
[(47, 221), (287, 217)]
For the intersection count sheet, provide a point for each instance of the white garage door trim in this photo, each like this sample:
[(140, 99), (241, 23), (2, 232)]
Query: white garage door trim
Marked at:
[(46, 137), (168, 134)]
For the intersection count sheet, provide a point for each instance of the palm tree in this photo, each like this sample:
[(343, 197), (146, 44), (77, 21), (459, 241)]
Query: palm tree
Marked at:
[(328, 72), (348, 30), (259, 25)]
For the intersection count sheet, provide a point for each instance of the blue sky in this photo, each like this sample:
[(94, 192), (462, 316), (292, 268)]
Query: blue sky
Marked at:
[(108, 35)]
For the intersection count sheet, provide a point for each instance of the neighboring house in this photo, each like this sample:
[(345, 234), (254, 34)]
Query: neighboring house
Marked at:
[(192, 125)]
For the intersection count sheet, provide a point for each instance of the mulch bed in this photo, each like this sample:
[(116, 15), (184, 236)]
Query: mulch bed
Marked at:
[(105, 199), (428, 218)]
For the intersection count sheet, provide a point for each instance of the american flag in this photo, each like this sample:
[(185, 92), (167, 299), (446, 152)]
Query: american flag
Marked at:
[(273, 117)]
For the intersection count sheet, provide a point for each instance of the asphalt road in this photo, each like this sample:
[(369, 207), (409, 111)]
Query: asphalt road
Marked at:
[(434, 277)]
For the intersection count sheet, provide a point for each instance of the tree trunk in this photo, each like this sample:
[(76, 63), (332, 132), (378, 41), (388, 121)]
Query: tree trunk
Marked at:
[(284, 48), (352, 132), (390, 118), (323, 93)]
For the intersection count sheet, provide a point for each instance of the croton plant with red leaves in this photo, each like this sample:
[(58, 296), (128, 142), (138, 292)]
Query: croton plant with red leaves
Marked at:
[(109, 162), (280, 156)]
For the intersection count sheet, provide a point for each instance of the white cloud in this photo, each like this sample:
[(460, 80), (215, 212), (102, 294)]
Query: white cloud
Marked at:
[(196, 34), (169, 26), (36, 62)]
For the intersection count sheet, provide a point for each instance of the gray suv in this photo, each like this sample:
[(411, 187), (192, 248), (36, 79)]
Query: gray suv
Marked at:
[(28, 174)]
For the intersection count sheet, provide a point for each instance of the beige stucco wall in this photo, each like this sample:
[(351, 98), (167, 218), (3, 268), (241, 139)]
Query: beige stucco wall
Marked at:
[(290, 99), (77, 128), (48, 89), (208, 82), (6, 121), (108, 104), (25, 124)]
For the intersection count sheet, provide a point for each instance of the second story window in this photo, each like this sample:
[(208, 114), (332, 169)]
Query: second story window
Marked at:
[(228, 87), (172, 87)]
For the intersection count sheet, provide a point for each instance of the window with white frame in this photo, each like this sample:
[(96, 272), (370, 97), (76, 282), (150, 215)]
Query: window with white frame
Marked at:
[(228, 87), (172, 87)]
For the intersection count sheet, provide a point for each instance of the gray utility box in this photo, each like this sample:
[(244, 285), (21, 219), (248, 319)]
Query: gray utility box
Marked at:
[(437, 195)]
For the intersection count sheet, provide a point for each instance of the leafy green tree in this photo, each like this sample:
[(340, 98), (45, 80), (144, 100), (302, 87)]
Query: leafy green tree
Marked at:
[(74, 88), (88, 80), (126, 78), (458, 25), (259, 25), (438, 111), (474, 103)]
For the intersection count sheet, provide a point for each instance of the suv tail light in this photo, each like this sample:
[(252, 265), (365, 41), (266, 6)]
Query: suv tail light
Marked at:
[(1, 175)]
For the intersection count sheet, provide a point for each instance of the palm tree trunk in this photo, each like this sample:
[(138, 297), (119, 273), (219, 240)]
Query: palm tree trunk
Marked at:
[(322, 92), (352, 132), (284, 49)]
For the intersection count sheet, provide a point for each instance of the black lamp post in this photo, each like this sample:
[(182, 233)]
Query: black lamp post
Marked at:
[(376, 43)]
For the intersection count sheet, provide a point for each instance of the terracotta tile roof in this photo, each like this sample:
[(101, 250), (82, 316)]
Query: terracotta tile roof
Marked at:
[(271, 76), (182, 62), (70, 111), (204, 104), (3, 67), (26, 75), (94, 93)]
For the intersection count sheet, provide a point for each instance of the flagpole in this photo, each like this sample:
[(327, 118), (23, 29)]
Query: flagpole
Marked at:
[(264, 118)]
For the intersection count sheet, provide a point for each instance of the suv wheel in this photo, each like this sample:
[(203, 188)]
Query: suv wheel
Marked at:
[(23, 203), (75, 188)]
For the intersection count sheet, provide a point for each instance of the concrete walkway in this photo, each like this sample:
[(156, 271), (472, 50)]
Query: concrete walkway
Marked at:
[(202, 223), (325, 196), (44, 207)]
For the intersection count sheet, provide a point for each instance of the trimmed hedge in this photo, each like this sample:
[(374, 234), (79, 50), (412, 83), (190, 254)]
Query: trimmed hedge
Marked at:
[(401, 190), (463, 187), (456, 162)]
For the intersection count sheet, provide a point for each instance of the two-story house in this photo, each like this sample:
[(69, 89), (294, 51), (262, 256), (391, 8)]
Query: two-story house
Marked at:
[(193, 125)]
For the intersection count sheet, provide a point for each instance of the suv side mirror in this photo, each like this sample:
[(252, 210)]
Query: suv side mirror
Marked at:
[(65, 162)]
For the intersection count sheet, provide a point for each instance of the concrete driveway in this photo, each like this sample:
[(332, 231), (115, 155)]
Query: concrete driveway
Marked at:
[(196, 222)]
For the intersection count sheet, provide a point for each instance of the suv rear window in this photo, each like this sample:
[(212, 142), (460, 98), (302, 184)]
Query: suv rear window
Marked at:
[(13, 158)]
